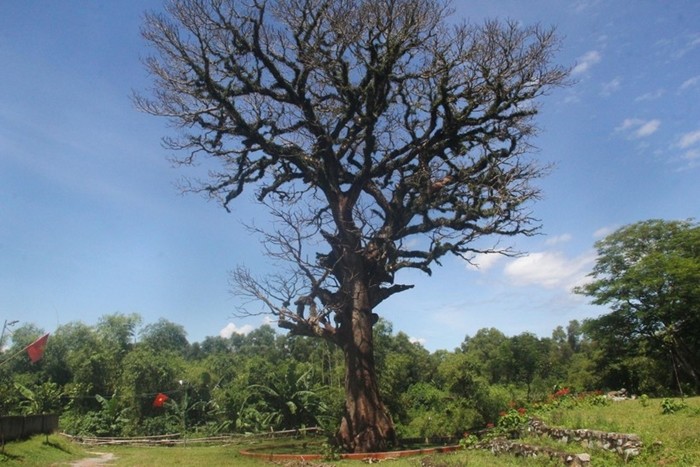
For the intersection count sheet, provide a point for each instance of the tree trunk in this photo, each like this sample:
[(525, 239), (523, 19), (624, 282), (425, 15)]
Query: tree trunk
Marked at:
[(366, 425)]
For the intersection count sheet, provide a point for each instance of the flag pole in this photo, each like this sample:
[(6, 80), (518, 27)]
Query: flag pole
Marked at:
[(13, 355), (25, 349)]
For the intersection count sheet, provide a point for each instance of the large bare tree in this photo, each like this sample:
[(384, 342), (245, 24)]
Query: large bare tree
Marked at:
[(380, 134)]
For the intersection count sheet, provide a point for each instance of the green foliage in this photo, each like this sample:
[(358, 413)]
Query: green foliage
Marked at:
[(671, 406), (468, 441), (262, 381), (644, 400), (110, 420), (44, 398), (598, 399), (330, 452), (648, 273), (513, 421)]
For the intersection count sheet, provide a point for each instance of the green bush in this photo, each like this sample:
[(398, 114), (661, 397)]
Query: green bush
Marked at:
[(670, 406), (512, 422)]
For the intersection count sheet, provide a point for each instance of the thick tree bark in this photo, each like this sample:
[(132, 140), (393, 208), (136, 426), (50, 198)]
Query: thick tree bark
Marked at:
[(366, 425)]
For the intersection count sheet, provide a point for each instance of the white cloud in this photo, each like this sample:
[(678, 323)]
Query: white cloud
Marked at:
[(559, 239), (690, 143), (629, 123), (550, 269), (639, 128), (269, 320), (692, 154), (586, 61), (484, 261), (231, 329), (689, 83), (417, 340), (611, 86), (650, 96), (583, 5), (648, 128), (689, 139), (682, 50), (604, 232)]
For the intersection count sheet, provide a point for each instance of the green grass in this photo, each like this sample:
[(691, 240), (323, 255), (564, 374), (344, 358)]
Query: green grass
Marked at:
[(672, 439), (37, 451)]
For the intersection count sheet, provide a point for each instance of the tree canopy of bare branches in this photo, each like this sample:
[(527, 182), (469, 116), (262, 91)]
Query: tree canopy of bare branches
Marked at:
[(377, 128)]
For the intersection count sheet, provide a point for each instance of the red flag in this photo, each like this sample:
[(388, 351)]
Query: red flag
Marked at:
[(36, 348), (160, 400)]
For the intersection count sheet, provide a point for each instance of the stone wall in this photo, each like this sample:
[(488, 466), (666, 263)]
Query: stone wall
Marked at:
[(503, 446), (625, 444)]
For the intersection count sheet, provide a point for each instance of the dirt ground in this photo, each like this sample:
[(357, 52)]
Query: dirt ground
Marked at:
[(102, 458)]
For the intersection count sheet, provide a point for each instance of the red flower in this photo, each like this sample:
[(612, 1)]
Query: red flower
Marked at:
[(502, 413), (522, 410), (160, 400)]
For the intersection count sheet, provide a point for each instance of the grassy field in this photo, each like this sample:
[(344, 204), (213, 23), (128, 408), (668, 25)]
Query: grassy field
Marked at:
[(669, 439)]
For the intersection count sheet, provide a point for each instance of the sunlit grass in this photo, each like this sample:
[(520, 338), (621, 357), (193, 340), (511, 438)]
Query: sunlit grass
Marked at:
[(669, 439), (41, 450)]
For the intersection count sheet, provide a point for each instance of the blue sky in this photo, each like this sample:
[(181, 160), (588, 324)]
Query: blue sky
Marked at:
[(91, 222)]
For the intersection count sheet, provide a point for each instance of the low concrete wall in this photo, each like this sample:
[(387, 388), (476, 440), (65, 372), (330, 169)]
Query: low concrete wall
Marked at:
[(14, 427)]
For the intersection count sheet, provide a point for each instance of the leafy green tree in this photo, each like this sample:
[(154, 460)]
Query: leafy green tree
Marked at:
[(381, 135), (22, 336), (165, 336), (489, 349), (478, 401), (214, 345), (649, 275), (117, 332), (400, 364), (528, 355), (147, 372)]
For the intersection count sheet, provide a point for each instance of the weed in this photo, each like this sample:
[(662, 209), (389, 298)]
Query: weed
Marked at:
[(671, 406), (330, 452)]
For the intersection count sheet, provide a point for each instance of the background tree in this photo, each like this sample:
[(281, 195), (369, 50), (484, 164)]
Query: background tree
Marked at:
[(165, 336), (649, 274), (490, 352), (526, 359), (377, 128)]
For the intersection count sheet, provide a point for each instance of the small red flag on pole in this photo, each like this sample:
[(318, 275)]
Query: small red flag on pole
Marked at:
[(160, 400), (36, 348)]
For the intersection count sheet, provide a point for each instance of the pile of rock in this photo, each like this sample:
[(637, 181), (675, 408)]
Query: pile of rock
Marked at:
[(626, 444), (503, 446), (620, 395)]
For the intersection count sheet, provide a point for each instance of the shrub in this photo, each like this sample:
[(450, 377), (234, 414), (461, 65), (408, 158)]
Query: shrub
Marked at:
[(512, 421), (670, 406)]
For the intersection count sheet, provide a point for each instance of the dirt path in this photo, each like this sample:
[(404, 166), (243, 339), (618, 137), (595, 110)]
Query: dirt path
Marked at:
[(103, 458)]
